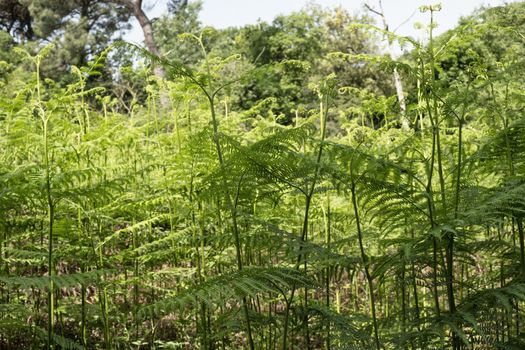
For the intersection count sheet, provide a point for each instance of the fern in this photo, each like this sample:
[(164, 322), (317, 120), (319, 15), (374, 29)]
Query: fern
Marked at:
[(234, 286)]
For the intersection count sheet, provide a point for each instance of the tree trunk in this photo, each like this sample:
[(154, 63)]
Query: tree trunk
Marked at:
[(136, 7), (147, 29)]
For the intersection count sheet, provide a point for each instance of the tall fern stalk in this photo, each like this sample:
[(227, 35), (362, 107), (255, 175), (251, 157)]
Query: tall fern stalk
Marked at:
[(435, 115), (233, 212), (365, 260), (232, 207), (325, 92), (50, 205)]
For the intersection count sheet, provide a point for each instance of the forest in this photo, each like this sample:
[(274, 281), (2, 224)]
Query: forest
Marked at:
[(292, 184)]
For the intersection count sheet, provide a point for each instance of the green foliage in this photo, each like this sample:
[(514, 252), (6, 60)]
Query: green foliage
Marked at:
[(228, 287), (263, 195)]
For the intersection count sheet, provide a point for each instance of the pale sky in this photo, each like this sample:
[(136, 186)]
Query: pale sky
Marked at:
[(225, 13)]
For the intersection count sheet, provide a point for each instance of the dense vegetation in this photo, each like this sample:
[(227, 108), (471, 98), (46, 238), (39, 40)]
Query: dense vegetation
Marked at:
[(266, 188)]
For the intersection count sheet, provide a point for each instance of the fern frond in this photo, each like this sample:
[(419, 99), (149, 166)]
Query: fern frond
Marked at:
[(60, 281), (234, 286)]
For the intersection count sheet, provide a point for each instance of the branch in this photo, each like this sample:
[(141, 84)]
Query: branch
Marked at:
[(405, 21), (371, 9)]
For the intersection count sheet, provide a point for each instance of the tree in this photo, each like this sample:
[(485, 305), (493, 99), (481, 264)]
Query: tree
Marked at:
[(182, 18), (15, 19), (295, 50), (177, 6), (490, 37), (80, 29)]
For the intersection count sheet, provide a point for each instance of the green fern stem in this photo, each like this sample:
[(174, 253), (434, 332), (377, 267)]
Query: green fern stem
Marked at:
[(434, 115), (50, 207), (510, 162), (99, 254), (327, 227), (365, 261), (83, 325), (233, 211), (323, 110), (430, 196)]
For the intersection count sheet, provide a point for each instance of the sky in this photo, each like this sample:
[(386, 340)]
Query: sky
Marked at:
[(226, 13)]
